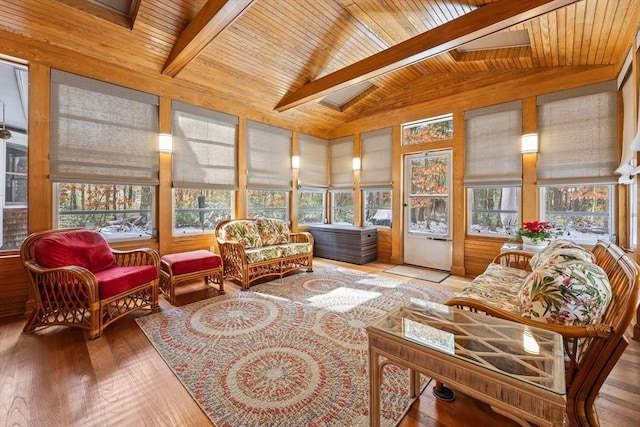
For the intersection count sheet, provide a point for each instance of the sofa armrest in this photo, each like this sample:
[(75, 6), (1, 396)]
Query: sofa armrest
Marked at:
[(597, 330), (136, 257), (302, 237), (78, 277), (514, 259)]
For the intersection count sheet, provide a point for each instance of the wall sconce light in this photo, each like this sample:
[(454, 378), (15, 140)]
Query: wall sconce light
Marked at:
[(356, 164), (295, 162), (529, 143), (165, 143)]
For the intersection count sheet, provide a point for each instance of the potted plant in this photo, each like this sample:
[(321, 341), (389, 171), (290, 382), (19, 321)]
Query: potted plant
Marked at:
[(535, 234)]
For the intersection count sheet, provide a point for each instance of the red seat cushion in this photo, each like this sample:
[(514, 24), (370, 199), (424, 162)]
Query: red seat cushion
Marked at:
[(83, 248), (120, 279), (188, 262)]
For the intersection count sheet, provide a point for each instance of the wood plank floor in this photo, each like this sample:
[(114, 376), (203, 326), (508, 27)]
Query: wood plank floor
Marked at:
[(55, 377)]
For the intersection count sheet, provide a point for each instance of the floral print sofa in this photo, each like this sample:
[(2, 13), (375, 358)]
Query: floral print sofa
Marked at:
[(256, 248), (561, 285)]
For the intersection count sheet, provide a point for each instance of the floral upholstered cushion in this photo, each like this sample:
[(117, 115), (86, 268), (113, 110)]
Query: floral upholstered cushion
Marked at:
[(264, 253), (568, 293), (243, 231), (296, 248), (499, 286), (558, 251), (273, 231)]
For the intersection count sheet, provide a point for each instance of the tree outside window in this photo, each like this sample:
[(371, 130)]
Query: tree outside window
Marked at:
[(342, 207), (583, 212), (268, 204), (494, 211), (311, 207), (198, 210), (429, 130), (377, 207), (117, 211)]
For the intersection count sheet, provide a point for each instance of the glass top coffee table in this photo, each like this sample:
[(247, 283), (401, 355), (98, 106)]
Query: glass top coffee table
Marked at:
[(517, 370)]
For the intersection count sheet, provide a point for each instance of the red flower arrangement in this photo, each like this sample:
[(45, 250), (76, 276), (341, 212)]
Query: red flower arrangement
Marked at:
[(536, 230)]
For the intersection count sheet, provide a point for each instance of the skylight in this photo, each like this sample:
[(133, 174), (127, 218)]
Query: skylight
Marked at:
[(340, 99), (501, 40)]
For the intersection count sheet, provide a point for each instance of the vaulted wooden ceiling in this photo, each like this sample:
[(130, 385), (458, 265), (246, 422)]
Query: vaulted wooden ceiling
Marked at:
[(286, 55)]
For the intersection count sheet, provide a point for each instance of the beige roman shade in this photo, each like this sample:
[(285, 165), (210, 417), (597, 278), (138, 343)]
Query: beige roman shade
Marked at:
[(342, 162), (375, 149), (268, 157), (314, 162)]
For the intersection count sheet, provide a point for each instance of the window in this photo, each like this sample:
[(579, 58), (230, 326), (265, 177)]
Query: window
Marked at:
[(429, 130), (199, 210), (13, 156), (342, 207), (104, 156), (205, 175), (268, 204), (493, 169), (377, 207), (117, 211), (376, 176), (311, 207), (583, 212), (493, 211)]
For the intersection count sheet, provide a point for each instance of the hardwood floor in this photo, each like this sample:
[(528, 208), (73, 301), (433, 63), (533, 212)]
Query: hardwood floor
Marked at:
[(55, 377)]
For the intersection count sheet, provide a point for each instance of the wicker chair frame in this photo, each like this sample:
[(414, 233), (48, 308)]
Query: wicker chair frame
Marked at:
[(236, 266), (590, 351), (69, 295)]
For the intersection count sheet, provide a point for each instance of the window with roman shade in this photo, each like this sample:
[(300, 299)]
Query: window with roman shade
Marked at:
[(268, 157), (342, 163), (102, 133), (629, 143), (314, 162), (578, 133), (492, 147), (375, 149), (205, 148)]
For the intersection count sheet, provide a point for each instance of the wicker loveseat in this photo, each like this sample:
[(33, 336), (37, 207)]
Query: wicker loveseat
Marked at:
[(256, 248), (589, 297), (78, 280)]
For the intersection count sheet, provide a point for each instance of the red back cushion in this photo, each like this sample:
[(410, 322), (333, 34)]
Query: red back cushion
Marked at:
[(84, 248)]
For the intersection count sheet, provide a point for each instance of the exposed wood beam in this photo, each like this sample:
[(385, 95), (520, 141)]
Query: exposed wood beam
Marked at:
[(211, 20), (483, 21)]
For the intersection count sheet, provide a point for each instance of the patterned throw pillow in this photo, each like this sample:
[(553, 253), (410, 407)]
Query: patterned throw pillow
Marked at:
[(558, 251), (243, 231), (568, 293), (273, 231)]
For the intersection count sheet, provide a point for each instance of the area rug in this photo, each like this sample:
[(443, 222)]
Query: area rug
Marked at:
[(290, 352), (430, 275)]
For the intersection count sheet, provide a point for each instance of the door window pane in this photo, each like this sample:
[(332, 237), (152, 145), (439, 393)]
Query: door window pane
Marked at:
[(429, 196)]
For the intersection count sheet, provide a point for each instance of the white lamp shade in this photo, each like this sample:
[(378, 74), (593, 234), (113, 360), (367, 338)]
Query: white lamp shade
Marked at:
[(356, 163), (530, 143), (165, 143), (295, 162)]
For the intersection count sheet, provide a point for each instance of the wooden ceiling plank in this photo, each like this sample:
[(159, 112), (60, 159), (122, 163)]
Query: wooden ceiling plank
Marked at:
[(211, 20), (481, 22)]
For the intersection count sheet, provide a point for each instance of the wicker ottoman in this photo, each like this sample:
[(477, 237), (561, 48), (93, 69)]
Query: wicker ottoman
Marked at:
[(180, 267)]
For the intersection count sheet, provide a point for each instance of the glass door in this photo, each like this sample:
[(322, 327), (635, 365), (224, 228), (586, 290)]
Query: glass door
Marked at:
[(427, 237)]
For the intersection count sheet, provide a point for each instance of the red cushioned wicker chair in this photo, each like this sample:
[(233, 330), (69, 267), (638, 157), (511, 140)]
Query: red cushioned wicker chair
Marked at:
[(78, 280)]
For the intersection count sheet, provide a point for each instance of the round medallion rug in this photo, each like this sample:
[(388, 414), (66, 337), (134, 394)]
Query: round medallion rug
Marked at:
[(291, 352)]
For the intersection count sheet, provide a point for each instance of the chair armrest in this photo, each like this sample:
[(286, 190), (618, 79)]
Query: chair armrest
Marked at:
[(72, 275), (598, 330), (301, 237), (136, 257), (232, 253), (515, 259)]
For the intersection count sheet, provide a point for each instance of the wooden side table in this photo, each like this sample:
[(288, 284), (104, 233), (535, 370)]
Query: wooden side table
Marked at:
[(517, 370)]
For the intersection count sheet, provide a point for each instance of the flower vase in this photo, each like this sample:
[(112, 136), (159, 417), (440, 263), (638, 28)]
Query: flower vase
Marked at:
[(528, 244)]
